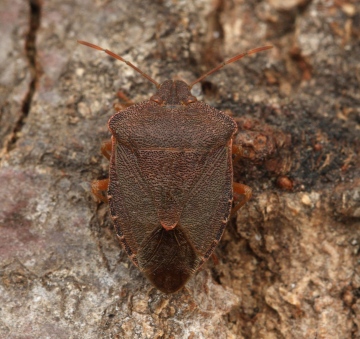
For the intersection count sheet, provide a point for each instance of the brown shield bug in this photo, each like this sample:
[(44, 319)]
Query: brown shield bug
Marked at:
[(170, 186)]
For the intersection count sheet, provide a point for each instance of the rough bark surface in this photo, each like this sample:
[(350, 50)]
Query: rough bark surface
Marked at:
[(289, 265)]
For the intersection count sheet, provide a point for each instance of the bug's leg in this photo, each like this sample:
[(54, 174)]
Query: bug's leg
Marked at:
[(215, 259), (244, 193), (98, 186), (238, 152), (106, 148), (124, 101)]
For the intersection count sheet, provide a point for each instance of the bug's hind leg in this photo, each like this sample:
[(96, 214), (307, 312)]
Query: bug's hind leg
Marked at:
[(242, 195)]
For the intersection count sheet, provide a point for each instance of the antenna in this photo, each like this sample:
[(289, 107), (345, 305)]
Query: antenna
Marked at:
[(235, 58), (88, 44)]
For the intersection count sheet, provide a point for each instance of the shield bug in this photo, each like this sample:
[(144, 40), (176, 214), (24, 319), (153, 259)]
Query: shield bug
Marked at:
[(170, 187)]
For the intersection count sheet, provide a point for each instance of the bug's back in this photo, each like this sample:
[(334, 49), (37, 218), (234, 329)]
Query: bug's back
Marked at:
[(170, 184)]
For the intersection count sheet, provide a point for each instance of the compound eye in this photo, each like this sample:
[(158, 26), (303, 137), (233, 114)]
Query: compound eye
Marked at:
[(189, 100), (157, 99)]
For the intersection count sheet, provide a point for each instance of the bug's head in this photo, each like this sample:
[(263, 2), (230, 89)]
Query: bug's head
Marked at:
[(173, 93)]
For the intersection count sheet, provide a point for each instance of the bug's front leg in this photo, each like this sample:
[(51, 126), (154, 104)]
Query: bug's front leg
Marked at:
[(106, 148), (125, 101)]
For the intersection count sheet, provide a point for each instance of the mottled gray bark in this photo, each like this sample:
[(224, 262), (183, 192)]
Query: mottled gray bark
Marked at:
[(288, 266)]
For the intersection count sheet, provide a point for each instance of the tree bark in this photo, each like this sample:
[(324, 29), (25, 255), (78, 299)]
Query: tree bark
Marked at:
[(288, 265)]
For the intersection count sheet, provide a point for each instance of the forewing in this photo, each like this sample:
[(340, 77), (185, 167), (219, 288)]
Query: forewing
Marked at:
[(207, 209), (131, 203)]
